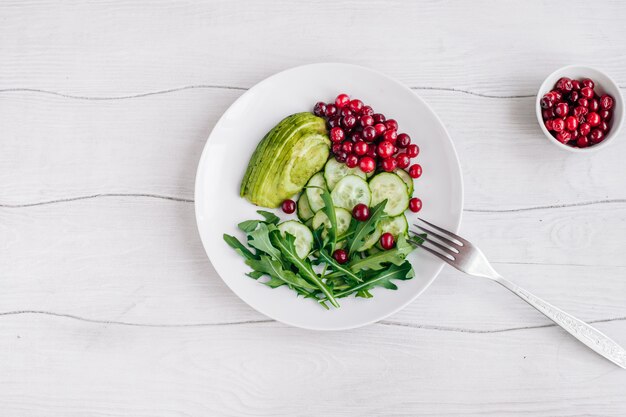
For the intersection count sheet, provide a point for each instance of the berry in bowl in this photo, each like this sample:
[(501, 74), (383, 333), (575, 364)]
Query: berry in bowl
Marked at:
[(579, 108)]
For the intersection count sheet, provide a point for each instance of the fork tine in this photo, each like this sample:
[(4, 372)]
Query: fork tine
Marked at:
[(453, 251), (439, 255), (438, 236), (457, 237)]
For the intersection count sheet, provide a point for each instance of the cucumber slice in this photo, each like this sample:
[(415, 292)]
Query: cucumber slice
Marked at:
[(303, 235), (304, 208), (314, 194), (343, 220), (350, 191), (335, 171), (406, 178), (395, 225), (389, 186), (371, 240)]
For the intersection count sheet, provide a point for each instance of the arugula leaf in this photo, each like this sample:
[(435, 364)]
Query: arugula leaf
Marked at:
[(329, 210), (255, 274), (383, 279), (288, 249), (259, 239), (325, 257), (380, 260), (269, 217), (249, 225), (275, 270), (362, 230), (234, 243)]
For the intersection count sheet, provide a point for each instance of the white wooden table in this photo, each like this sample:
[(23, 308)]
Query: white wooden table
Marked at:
[(109, 306)]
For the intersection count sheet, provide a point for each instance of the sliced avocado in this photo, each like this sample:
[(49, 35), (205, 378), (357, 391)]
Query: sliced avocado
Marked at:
[(287, 156)]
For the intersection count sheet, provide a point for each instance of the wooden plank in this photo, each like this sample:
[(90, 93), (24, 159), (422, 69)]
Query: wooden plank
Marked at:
[(67, 367), (112, 47), (139, 260), (74, 148)]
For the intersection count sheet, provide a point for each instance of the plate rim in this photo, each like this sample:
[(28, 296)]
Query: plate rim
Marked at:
[(252, 90)]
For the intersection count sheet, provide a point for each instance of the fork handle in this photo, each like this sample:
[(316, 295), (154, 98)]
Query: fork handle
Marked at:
[(591, 337)]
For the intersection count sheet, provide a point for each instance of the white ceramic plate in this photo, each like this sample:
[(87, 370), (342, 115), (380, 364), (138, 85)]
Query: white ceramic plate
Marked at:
[(229, 147)]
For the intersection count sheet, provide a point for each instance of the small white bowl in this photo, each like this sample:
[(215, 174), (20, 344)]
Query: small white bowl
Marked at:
[(603, 85)]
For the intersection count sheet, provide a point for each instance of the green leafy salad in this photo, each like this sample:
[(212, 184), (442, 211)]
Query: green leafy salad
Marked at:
[(351, 234)]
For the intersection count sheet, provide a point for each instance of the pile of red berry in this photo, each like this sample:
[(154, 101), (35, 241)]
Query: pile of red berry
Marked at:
[(366, 139), (575, 114)]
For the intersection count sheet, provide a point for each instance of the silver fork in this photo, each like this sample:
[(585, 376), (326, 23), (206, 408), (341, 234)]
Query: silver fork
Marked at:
[(467, 258)]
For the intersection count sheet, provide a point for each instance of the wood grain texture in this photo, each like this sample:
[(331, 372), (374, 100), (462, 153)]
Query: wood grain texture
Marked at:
[(108, 305), (268, 369)]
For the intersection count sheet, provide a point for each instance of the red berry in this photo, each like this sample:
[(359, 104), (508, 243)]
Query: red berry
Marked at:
[(415, 204), (593, 105), (341, 256), (319, 109), (348, 121), (387, 241), (337, 134), (413, 150), (403, 160), (379, 118), (341, 156), (336, 148), (403, 140), (576, 84), (606, 102), (583, 102), (361, 212), (360, 148), (369, 133), (580, 111), (603, 126), (587, 92), (561, 109), (289, 206), (366, 120), (415, 171), (367, 111), (371, 152), (390, 135), (391, 124), (606, 115), (588, 82), (389, 164), (345, 111), (574, 134), (548, 124), (596, 136), (571, 123), (367, 164), (331, 110), (584, 129), (557, 95), (558, 125), (547, 114), (346, 146), (356, 137), (334, 121), (342, 100), (564, 84), (573, 96), (356, 105), (563, 137), (385, 149), (379, 128), (593, 119), (547, 101), (582, 142), (352, 161)]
